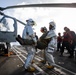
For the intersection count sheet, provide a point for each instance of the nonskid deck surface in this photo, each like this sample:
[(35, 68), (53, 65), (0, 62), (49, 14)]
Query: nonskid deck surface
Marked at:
[(14, 66)]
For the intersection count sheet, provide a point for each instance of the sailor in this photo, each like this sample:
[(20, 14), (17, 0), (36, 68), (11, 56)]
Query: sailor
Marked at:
[(42, 39), (28, 34), (42, 42), (52, 45)]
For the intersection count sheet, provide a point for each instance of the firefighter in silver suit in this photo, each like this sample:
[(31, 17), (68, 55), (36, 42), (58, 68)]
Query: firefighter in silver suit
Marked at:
[(52, 45), (28, 33)]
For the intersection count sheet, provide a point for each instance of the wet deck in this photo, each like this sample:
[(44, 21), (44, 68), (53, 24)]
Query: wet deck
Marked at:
[(14, 66)]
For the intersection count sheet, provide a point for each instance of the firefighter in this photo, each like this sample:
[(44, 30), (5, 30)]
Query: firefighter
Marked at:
[(52, 45), (28, 34)]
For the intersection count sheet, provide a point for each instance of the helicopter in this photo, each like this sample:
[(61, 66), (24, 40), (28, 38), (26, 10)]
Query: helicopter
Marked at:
[(8, 37)]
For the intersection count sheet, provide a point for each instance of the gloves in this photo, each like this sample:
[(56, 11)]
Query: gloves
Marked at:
[(35, 41)]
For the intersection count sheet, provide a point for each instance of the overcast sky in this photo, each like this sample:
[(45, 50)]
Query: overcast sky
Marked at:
[(42, 16)]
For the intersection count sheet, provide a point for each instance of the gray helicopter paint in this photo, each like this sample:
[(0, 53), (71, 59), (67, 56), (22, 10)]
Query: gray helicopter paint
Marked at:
[(6, 36)]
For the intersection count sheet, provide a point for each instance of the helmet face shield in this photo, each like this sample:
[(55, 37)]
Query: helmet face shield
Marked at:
[(52, 25), (34, 23)]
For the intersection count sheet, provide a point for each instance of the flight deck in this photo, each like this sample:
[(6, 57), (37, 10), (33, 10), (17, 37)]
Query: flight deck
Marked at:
[(14, 64)]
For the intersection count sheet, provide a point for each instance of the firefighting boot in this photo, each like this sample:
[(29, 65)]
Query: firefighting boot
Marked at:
[(33, 61), (7, 54), (42, 61), (30, 69), (49, 66)]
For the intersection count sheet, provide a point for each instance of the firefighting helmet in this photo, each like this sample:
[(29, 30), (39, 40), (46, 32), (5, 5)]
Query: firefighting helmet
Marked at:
[(52, 24), (31, 22)]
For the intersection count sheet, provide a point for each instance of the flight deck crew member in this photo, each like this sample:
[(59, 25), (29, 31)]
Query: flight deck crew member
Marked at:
[(52, 45), (29, 34)]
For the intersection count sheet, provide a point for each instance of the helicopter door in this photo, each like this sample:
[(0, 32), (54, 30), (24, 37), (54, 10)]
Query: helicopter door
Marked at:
[(8, 29)]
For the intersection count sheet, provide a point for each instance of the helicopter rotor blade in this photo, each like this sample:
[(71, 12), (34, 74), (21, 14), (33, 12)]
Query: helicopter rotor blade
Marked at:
[(69, 5)]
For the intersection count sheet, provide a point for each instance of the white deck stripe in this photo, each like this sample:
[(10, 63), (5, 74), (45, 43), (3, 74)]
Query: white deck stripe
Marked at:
[(34, 65), (59, 66)]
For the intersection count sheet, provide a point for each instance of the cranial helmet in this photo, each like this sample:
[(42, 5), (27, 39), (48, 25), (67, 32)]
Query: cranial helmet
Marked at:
[(30, 22), (52, 24)]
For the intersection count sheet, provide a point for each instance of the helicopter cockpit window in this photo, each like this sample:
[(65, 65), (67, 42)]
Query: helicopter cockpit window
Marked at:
[(7, 25)]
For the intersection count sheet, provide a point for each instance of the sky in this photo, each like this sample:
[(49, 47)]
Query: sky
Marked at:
[(42, 16)]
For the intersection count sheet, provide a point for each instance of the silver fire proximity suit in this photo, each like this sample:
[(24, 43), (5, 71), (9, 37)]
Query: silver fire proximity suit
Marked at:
[(52, 46), (29, 34)]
